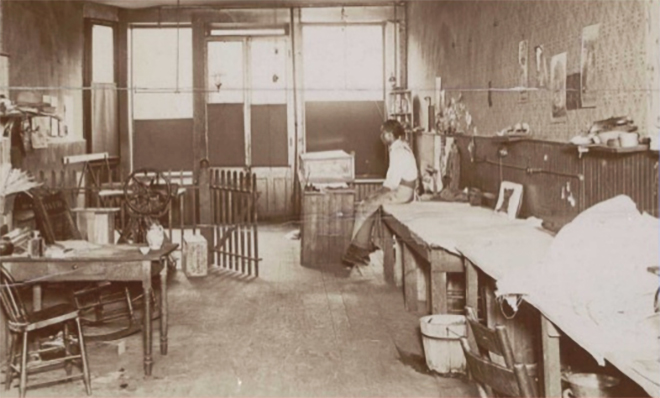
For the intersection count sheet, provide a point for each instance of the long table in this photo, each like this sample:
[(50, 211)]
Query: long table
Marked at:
[(450, 237), (427, 235), (122, 263)]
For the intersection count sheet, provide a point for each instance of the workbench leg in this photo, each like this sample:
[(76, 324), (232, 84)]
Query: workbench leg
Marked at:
[(471, 285), (410, 270), (439, 299), (387, 243), (551, 359), (398, 262)]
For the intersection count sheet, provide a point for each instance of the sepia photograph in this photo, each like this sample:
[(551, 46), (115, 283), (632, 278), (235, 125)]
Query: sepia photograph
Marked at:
[(329, 198)]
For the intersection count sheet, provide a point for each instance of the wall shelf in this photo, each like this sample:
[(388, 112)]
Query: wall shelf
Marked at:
[(607, 149)]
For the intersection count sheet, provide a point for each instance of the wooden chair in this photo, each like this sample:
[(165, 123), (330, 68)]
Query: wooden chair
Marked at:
[(21, 323), (54, 217), (492, 378)]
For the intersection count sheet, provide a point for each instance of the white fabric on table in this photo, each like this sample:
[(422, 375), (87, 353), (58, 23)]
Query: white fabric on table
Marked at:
[(593, 282)]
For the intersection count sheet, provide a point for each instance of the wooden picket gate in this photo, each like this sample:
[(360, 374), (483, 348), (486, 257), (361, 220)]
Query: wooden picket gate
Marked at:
[(233, 197)]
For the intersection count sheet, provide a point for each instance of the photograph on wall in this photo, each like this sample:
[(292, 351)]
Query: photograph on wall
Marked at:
[(558, 85), (587, 65), (541, 66), (523, 69)]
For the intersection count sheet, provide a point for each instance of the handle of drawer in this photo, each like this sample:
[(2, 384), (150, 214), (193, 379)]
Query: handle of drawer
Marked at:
[(74, 266)]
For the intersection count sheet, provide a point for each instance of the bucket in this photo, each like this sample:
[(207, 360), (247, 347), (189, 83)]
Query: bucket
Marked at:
[(442, 347), (590, 385)]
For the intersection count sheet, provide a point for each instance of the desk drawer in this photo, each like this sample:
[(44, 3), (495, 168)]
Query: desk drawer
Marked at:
[(79, 271)]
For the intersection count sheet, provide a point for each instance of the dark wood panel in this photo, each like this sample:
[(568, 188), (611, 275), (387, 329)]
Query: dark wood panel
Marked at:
[(163, 144), (269, 136), (552, 174), (226, 135), (352, 127)]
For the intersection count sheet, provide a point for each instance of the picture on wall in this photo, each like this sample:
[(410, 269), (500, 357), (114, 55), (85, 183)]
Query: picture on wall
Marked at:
[(558, 85), (541, 66), (587, 65), (523, 69)]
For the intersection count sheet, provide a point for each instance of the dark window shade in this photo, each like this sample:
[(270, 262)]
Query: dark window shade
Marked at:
[(351, 126), (226, 132), (269, 136), (164, 144)]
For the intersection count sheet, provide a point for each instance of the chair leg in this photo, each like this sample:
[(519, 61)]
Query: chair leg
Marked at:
[(11, 359), (67, 348), (83, 356), (22, 387)]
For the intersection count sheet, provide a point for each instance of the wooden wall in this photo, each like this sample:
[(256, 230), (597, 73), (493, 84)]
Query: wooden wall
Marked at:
[(45, 42), (552, 174)]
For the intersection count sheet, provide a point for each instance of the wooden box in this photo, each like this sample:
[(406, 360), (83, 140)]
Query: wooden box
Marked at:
[(327, 167), (194, 256), (96, 225), (327, 224)]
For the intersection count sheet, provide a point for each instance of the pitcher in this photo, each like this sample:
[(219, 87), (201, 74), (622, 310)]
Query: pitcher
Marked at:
[(155, 236)]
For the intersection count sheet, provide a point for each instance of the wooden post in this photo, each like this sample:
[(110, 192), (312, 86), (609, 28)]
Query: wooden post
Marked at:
[(410, 269), (398, 262), (205, 210), (388, 254), (255, 223), (551, 359), (471, 285)]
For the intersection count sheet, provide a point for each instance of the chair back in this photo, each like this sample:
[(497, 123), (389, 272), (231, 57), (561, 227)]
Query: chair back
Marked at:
[(11, 299), (54, 217), (509, 378)]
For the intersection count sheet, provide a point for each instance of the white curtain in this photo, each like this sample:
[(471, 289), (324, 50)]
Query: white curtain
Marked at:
[(104, 119)]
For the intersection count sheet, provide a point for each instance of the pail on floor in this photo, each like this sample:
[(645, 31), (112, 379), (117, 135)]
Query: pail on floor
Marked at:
[(590, 385), (442, 347)]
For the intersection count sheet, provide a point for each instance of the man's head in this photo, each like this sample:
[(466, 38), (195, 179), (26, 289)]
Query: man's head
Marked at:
[(391, 131)]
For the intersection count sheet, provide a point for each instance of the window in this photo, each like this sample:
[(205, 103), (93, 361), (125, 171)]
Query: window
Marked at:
[(162, 73), (103, 60), (343, 63)]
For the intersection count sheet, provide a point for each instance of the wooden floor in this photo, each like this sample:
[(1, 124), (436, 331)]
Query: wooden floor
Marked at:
[(292, 332)]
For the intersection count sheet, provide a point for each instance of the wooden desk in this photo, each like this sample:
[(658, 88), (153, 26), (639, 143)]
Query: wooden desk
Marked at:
[(107, 263)]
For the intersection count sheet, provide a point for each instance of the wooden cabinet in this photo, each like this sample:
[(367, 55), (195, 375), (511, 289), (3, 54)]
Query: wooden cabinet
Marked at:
[(327, 223)]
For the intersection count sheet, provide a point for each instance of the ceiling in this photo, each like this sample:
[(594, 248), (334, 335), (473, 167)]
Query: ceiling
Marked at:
[(239, 3)]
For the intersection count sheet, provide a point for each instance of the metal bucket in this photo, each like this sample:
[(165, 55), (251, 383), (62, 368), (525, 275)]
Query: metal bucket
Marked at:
[(590, 385)]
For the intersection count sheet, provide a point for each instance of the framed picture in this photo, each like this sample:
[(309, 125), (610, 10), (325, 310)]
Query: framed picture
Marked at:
[(558, 85), (588, 73), (523, 68), (4, 75), (541, 66), (509, 199)]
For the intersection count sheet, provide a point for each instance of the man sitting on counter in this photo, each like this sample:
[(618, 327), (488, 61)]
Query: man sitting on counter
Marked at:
[(398, 187)]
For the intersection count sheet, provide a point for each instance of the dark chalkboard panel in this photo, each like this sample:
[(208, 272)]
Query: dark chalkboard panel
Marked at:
[(269, 136), (226, 132), (163, 144), (349, 126)]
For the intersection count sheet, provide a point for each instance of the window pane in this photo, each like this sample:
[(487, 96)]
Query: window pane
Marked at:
[(343, 62), (103, 59), (225, 72), (162, 91), (268, 64)]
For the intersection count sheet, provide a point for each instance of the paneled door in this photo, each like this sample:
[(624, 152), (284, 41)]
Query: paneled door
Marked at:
[(249, 114)]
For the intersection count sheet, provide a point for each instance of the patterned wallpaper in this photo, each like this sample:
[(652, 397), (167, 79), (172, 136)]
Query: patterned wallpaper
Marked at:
[(473, 42)]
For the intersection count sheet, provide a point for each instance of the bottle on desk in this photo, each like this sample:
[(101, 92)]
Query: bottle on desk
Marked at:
[(35, 245)]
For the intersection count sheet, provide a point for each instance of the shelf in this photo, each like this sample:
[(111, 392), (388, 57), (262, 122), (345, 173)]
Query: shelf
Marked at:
[(400, 91), (509, 138), (608, 149), (401, 114)]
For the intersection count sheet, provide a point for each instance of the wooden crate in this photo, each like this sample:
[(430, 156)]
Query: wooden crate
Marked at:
[(327, 223), (195, 256), (327, 167), (96, 225)]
